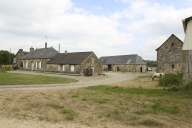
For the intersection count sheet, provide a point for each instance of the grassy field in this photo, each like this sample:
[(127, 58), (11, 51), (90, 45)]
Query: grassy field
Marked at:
[(26, 79), (103, 106)]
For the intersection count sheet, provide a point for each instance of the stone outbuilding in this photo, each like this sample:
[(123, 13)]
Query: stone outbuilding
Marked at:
[(18, 56), (124, 63), (80, 63), (36, 60), (170, 56)]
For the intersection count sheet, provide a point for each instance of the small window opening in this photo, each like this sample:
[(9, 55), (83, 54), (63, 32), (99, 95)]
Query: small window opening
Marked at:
[(172, 66)]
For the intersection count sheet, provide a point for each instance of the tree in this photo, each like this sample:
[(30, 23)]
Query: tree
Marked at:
[(151, 63), (6, 57)]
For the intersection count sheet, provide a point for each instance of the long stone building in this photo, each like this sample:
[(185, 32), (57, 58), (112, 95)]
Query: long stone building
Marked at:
[(170, 56), (124, 63)]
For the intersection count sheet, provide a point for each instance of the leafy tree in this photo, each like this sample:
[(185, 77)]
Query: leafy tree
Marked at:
[(6, 57), (151, 63)]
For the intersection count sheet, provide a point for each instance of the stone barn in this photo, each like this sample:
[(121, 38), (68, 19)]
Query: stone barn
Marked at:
[(170, 56), (124, 63), (80, 63), (36, 60)]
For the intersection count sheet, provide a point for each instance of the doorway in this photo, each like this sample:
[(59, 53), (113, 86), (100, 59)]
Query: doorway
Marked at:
[(109, 68), (141, 69)]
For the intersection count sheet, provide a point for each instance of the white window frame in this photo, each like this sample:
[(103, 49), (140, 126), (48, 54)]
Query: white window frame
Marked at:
[(26, 64), (39, 64), (72, 67), (14, 60)]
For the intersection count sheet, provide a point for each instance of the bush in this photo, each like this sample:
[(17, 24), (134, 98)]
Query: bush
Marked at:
[(188, 86), (171, 80), (6, 67), (15, 67)]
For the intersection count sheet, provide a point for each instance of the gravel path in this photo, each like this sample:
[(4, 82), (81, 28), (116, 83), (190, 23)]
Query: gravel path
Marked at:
[(109, 78)]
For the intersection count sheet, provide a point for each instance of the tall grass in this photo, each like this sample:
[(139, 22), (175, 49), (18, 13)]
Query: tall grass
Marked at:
[(171, 79)]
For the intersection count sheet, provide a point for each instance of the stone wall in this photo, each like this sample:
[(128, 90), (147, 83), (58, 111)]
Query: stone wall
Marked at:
[(35, 64), (170, 56), (127, 68)]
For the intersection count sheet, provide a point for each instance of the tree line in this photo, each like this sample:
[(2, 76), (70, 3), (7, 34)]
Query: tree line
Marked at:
[(6, 58)]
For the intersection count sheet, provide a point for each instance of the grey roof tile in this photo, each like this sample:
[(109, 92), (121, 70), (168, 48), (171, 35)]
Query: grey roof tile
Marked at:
[(122, 59), (42, 53), (69, 58)]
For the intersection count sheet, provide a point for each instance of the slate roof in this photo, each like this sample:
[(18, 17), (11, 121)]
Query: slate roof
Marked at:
[(172, 36), (42, 53), (70, 58), (25, 53), (122, 59)]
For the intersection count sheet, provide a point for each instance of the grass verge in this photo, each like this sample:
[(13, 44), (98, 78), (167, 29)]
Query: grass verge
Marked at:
[(26, 79)]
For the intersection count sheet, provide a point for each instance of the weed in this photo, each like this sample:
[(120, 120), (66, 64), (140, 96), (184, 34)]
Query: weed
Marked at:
[(100, 101), (141, 112), (158, 106), (69, 113), (151, 123), (55, 105)]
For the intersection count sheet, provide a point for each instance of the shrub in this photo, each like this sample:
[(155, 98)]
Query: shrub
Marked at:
[(171, 80), (15, 67)]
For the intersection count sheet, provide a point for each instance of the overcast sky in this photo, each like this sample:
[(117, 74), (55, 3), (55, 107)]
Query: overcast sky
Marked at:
[(107, 27)]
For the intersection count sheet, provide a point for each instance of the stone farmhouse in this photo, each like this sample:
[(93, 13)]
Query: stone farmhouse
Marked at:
[(127, 63), (170, 56), (82, 63), (18, 56), (36, 60)]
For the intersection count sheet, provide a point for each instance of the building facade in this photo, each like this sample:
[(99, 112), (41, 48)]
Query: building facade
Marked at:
[(170, 56), (81, 63)]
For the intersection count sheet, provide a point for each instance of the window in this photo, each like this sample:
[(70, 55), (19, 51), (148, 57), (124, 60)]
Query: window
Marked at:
[(172, 66), (92, 60), (26, 66), (40, 65), (72, 68), (14, 60), (61, 67)]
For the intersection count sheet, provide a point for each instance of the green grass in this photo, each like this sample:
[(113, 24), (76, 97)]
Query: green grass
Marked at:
[(26, 79), (69, 113)]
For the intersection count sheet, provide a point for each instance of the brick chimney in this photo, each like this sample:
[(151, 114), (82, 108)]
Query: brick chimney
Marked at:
[(45, 44), (21, 51), (31, 49)]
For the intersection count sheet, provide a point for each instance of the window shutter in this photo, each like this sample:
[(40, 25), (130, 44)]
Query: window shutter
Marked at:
[(58, 67), (40, 65), (63, 67), (36, 65)]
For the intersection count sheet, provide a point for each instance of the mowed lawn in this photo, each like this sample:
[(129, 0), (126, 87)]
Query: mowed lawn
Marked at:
[(26, 79)]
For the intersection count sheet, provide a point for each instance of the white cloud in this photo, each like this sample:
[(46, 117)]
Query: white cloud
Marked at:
[(25, 23)]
